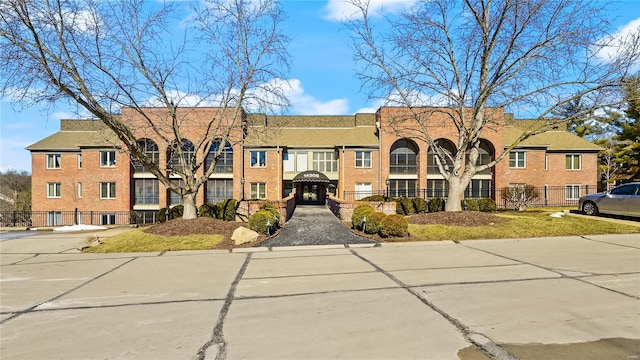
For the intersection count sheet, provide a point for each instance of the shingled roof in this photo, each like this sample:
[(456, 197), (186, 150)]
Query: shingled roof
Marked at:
[(77, 134), (554, 140), (312, 131)]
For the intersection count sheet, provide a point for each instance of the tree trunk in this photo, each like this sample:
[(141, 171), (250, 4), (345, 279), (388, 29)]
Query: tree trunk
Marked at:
[(189, 204), (455, 196)]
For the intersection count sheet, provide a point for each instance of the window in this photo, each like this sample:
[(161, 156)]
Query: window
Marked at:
[(572, 192), (54, 218), (176, 199), (219, 190), (79, 190), (325, 161), (258, 158), (629, 189), (53, 190), (259, 191), (448, 150), (363, 159), (437, 188), (150, 149), (573, 162), (225, 161), (107, 158), (108, 219), (517, 160), (363, 190), (485, 156), (53, 161), (108, 190), (402, 187), (478, 188), (79, 161), (177, 162), (403, 157), (546, 161), (146, 192)]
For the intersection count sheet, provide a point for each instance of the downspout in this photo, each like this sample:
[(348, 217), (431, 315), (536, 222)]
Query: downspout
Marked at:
[(378, 126)]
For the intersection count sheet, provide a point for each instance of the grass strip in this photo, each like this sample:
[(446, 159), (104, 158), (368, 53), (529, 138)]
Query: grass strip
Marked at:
[(521, 225), (139, 241)]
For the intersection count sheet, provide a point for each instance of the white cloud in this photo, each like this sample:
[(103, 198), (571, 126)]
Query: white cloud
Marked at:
[(339, 10), (414, 99), (302, 103), (299, 101), (620, 42)]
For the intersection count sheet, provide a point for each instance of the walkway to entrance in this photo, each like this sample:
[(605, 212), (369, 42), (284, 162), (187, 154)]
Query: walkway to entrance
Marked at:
[(314, 225)]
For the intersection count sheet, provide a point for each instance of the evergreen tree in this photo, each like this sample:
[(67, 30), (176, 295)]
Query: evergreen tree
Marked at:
[(620, 158)]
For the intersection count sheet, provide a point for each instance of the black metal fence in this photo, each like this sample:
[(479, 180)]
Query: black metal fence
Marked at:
[(547, 195), (62, 218)]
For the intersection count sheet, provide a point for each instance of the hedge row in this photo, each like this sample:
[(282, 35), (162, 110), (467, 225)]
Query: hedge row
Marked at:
[(367, 220), (410, 206)]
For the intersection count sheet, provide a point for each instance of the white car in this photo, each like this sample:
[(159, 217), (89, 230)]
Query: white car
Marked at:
[(621, 200)]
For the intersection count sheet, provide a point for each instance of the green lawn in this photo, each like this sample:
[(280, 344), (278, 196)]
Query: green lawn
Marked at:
[(522, 225), (138, 241)]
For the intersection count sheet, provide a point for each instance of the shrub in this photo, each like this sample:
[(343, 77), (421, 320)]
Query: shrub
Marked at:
[(374, 222), (407, 205), (162, 214), (519, 197), (487, 205), (176, 212), (275, 214), (436, 204), (262, 222), (394, 226), (359, 213), (373, 198), (470, 204), (420, 205), (226, 210), (207, 210)]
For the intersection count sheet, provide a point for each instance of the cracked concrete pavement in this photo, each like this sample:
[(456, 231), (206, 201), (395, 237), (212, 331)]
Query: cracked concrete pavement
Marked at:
[(561, 298)]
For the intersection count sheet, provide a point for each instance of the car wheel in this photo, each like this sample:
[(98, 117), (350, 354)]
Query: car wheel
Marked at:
[(590, 208)]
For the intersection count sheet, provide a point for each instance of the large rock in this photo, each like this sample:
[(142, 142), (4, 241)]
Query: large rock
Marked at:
[(243, 235)]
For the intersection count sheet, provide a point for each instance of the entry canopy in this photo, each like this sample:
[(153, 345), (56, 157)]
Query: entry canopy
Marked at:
[(311, 176)]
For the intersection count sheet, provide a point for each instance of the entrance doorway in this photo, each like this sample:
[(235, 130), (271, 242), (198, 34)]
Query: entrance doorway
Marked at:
[(311, 187)]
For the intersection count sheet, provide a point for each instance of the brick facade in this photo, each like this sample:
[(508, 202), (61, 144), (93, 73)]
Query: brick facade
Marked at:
[(373, 134)]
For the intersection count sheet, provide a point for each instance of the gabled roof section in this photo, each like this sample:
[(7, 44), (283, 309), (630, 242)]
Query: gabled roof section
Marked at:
[(312, 131), (77, 134)]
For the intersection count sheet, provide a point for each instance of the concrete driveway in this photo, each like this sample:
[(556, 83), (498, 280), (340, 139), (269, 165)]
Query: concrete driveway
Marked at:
[(546, 298)]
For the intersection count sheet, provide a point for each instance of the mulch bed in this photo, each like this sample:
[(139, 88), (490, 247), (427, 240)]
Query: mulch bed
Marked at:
[(205, 225)]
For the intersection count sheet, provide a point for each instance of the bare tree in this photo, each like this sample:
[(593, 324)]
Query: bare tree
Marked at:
[(126, 56), (474, 56)]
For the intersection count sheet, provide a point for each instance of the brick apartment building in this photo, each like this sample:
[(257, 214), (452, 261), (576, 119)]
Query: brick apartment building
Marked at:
[(84, 167)]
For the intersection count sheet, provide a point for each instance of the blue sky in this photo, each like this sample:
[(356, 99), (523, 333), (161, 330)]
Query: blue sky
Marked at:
[(322, 76)]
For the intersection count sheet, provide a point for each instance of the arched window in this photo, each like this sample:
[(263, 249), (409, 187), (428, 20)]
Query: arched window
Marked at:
[(225, 161), (150, 148), (403, 158), (174, 161), (485, 155), (448, 148)]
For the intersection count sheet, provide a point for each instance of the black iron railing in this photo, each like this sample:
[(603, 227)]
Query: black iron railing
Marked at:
[(547, 195), (62, 218)]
